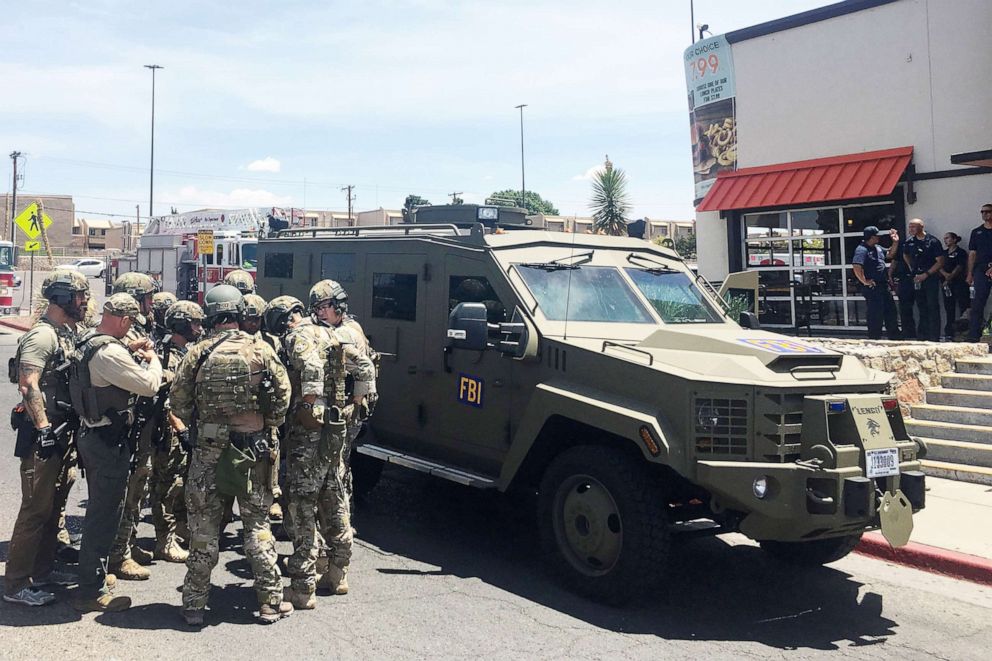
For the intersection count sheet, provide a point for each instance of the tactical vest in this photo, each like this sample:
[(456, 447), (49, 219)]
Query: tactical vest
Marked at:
[(232, 380), (325, 342), (90, 402), (54, 381)]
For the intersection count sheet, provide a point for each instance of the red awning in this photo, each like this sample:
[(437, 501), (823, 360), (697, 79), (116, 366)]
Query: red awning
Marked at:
[(854, 176)]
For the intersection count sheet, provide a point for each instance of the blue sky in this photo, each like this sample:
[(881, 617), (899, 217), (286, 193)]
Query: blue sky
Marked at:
[(393, 96)]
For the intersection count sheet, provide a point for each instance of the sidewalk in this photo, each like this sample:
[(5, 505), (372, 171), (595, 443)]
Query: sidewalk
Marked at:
[(18, 323), (952, 535)]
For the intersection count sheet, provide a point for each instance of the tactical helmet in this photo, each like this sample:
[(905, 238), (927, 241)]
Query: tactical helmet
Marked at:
[(162, 301), (223, 300), (136, 284), (182, 312), (62, 284), (328, 291), (254, 305), (278, 311), (122, 305), (241, 280)]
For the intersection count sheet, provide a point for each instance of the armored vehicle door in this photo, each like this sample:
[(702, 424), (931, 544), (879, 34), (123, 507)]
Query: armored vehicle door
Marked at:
[(394, 322), (474, 394)]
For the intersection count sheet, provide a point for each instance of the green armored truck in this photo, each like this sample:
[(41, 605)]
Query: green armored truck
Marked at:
[(602, 374)]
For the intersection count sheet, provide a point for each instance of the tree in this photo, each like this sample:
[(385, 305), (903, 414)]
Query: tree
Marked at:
[(610, 203), (685, 245), (532, 201), (413, 201)]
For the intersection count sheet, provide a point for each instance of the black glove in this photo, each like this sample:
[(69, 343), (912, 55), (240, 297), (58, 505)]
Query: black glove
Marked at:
[(46, 443), (184, 440)]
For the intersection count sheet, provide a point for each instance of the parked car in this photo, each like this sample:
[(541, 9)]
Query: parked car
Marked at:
[(91, 268)]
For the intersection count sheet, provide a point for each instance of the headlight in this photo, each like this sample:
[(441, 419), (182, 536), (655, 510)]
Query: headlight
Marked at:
[(760, 487)]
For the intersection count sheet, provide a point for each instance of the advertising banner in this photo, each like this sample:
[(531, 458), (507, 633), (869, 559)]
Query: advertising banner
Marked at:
[(709, 76)]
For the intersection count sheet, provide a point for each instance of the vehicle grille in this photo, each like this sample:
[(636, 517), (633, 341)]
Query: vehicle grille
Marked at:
[(778, 425), (720, 426)]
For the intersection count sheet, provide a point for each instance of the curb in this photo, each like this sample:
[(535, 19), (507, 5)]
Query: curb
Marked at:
[(929, 558), (10, 323)]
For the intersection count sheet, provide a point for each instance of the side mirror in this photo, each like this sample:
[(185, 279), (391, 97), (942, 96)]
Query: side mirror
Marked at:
[(749, 320), (468, 327), (518, 338)]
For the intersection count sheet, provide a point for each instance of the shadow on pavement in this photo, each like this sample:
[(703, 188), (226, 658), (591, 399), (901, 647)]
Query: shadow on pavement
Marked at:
[(230, 604), (716, 591)]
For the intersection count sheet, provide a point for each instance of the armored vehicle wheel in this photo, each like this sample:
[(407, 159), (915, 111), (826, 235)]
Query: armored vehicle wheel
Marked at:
[(813, 553), (365, 473), (603, 523)]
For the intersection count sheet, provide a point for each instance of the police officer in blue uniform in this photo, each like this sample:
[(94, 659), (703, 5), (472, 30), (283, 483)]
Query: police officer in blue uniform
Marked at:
[(980, 271), (871, 271), (925, 258)]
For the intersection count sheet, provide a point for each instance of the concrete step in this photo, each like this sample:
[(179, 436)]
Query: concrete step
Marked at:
[(962, 415), (949, 431), (966, 381), (973, 366), (959, 472), (959, 452), (956, 397)]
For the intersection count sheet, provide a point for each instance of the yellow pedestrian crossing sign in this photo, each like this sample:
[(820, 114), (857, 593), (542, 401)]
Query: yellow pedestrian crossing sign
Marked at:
[(30, 221), (32, 246)]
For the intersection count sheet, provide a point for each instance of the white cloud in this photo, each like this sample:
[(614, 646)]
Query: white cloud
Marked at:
[(235, 199), (589, 174), (267, 164)]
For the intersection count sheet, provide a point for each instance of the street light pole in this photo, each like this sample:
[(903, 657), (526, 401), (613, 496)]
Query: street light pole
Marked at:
[(523, 185), (151, 169)]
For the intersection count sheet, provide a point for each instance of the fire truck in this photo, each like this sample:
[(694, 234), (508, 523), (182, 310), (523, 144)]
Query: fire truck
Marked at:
[(169, 249)]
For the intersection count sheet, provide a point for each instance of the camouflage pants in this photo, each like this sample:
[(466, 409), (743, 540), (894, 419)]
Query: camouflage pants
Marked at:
[(349, 444), (317, 504), (137, 489), (205, 509), (167, 495), (67, 477)]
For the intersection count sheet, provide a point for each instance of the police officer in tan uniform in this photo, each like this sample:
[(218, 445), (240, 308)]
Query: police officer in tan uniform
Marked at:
[(108, 379)]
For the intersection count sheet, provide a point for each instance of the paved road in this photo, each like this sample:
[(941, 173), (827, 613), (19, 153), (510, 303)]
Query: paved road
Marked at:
[(445, 571)]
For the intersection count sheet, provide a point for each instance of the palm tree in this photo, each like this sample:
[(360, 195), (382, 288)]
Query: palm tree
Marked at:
[(610, 203)]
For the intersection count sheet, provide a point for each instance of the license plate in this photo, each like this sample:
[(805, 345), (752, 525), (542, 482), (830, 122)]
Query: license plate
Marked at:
[(882, 463)]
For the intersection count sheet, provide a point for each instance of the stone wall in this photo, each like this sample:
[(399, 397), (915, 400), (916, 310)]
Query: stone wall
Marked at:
[(915, 366)]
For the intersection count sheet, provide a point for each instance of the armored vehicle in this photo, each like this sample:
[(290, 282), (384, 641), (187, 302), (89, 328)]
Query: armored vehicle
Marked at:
[(602, 374)]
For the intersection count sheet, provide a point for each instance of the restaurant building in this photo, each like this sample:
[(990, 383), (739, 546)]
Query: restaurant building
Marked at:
[(809, 128)]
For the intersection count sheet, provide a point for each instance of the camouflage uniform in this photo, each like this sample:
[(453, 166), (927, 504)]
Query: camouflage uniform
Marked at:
[(318, 502), (216, 428), (139, 286), (169, 466)]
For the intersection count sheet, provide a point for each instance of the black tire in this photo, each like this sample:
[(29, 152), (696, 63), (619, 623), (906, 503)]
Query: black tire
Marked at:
[(365, 473), (622, 549), (813, 553)]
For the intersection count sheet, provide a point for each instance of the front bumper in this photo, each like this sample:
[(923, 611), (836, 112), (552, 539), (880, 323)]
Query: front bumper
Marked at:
[(802, 502)]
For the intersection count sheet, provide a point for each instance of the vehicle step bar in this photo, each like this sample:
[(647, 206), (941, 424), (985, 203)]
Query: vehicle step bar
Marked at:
[(426, 466)]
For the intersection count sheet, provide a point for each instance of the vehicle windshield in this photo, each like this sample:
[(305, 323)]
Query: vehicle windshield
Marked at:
[(6, 256), (248, 258), (674, 296), (583, 293)]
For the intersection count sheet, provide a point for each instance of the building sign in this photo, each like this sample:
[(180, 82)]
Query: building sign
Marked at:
[(709, 76)]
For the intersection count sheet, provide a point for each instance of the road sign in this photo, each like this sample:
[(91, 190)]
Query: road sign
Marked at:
[(205, 242), (29, 222), (32, 246)]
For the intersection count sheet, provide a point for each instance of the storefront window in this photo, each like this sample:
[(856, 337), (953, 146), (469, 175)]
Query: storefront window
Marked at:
[(818, 257), (766, 225)]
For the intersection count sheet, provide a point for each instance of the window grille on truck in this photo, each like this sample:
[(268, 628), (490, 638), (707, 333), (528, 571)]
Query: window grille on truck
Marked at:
[(720, 426)]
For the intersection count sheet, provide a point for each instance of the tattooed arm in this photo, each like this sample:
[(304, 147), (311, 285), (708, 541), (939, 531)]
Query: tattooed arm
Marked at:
[(34, 401)]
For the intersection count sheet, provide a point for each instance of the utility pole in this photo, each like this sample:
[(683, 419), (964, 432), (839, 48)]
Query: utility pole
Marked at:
[(454, 196), (351, 199), (137, 217), (14, 155), (151, 169), (523, 185)]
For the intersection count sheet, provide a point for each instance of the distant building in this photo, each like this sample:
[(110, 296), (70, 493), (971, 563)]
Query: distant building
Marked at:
[(94, 232), (654, 229), (60, 208)]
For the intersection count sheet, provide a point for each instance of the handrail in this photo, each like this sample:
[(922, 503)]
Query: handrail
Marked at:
[(405, 229), (621, 345)]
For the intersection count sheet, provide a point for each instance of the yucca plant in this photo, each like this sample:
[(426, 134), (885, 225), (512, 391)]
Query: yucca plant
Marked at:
[(609, 203)]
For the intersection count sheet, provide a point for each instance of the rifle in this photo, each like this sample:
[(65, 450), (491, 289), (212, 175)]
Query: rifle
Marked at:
[(146, 410)]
